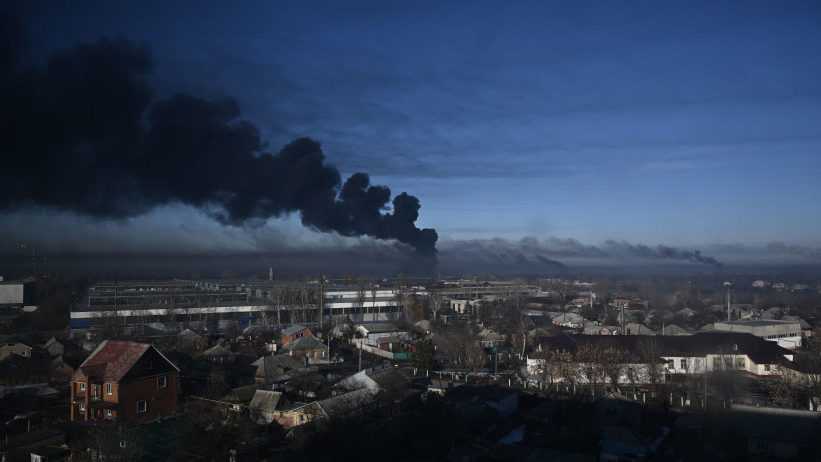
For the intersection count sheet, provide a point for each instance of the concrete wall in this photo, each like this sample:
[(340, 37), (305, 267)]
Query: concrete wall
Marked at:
[(11, 294)]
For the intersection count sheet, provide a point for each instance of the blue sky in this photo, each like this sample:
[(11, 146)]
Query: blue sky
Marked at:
[(685, 123)]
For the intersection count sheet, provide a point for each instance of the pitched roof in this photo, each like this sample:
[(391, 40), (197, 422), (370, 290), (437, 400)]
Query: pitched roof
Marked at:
[(346, 404), (265, 401), (304, 343), (241, 394), (379, 327), (112, 359), (270, 367), (291, 330), (699, 344), (218, 350)]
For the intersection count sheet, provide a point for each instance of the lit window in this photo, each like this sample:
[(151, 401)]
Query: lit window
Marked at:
[(162, 381), (82, 407), (82, 386), (109, 413), (109, 389), (142, 406)]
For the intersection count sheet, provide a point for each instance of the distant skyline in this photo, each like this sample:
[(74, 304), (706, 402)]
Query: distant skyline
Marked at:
[(683, 124)]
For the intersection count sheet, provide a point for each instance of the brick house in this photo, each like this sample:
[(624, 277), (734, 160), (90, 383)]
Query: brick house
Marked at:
[(294, 332), (125, 381)]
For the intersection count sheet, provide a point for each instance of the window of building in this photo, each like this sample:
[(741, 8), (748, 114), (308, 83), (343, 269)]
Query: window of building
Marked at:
[(142, 406), (109, 413), (671, 364), (36, 458), (109, 389), (740, 363), (767, 368), (123, 444), (728, 363), (162, 381), (684, 363), (95, 391), (82, 386), (82, 407)]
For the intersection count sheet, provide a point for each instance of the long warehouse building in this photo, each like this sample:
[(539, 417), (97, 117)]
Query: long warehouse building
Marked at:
[(219, 304)]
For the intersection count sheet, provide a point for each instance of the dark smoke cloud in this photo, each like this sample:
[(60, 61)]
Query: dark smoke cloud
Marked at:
[(84, 134), (780, 248), (662, 252), (550, 249)]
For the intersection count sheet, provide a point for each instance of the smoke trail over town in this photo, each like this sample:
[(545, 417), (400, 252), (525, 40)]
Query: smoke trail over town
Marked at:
[(84, 134), (550, 249)]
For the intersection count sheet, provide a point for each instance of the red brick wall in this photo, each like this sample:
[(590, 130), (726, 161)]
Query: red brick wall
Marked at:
[(162, 402)]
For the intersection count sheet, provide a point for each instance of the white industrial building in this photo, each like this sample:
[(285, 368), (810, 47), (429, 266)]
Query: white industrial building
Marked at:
[(786, 333)]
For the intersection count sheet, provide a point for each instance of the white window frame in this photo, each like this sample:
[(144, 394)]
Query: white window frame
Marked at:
[(162, 382), (82, 386), (109, 388), (145, 406), (109, 413), (82, 407)]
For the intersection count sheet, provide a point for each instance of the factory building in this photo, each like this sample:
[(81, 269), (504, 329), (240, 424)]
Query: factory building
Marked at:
[(216, 305), (786, 333)]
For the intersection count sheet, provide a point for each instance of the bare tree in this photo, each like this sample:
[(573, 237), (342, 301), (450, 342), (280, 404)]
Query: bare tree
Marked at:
[(612, 363), (361, 296), (436, 300), (590, 359), (650, 357)]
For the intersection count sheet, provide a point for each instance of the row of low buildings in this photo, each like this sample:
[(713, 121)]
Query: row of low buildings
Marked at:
[(221, 305), (671, 355)]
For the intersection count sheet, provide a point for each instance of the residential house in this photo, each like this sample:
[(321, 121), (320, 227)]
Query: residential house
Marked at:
[(263, 406), (15, 348), (344, 405), (219, 354), (370, 333), (189, 340), (307, 347), (124, 381), (270, 368), (294, 332)]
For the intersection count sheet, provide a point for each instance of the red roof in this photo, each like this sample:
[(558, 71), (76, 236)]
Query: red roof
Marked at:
[(113, 359)]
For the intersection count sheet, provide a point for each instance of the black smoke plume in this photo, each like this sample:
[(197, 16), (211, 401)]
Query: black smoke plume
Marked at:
[(661, 252), (84, 134), (552, 248)]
